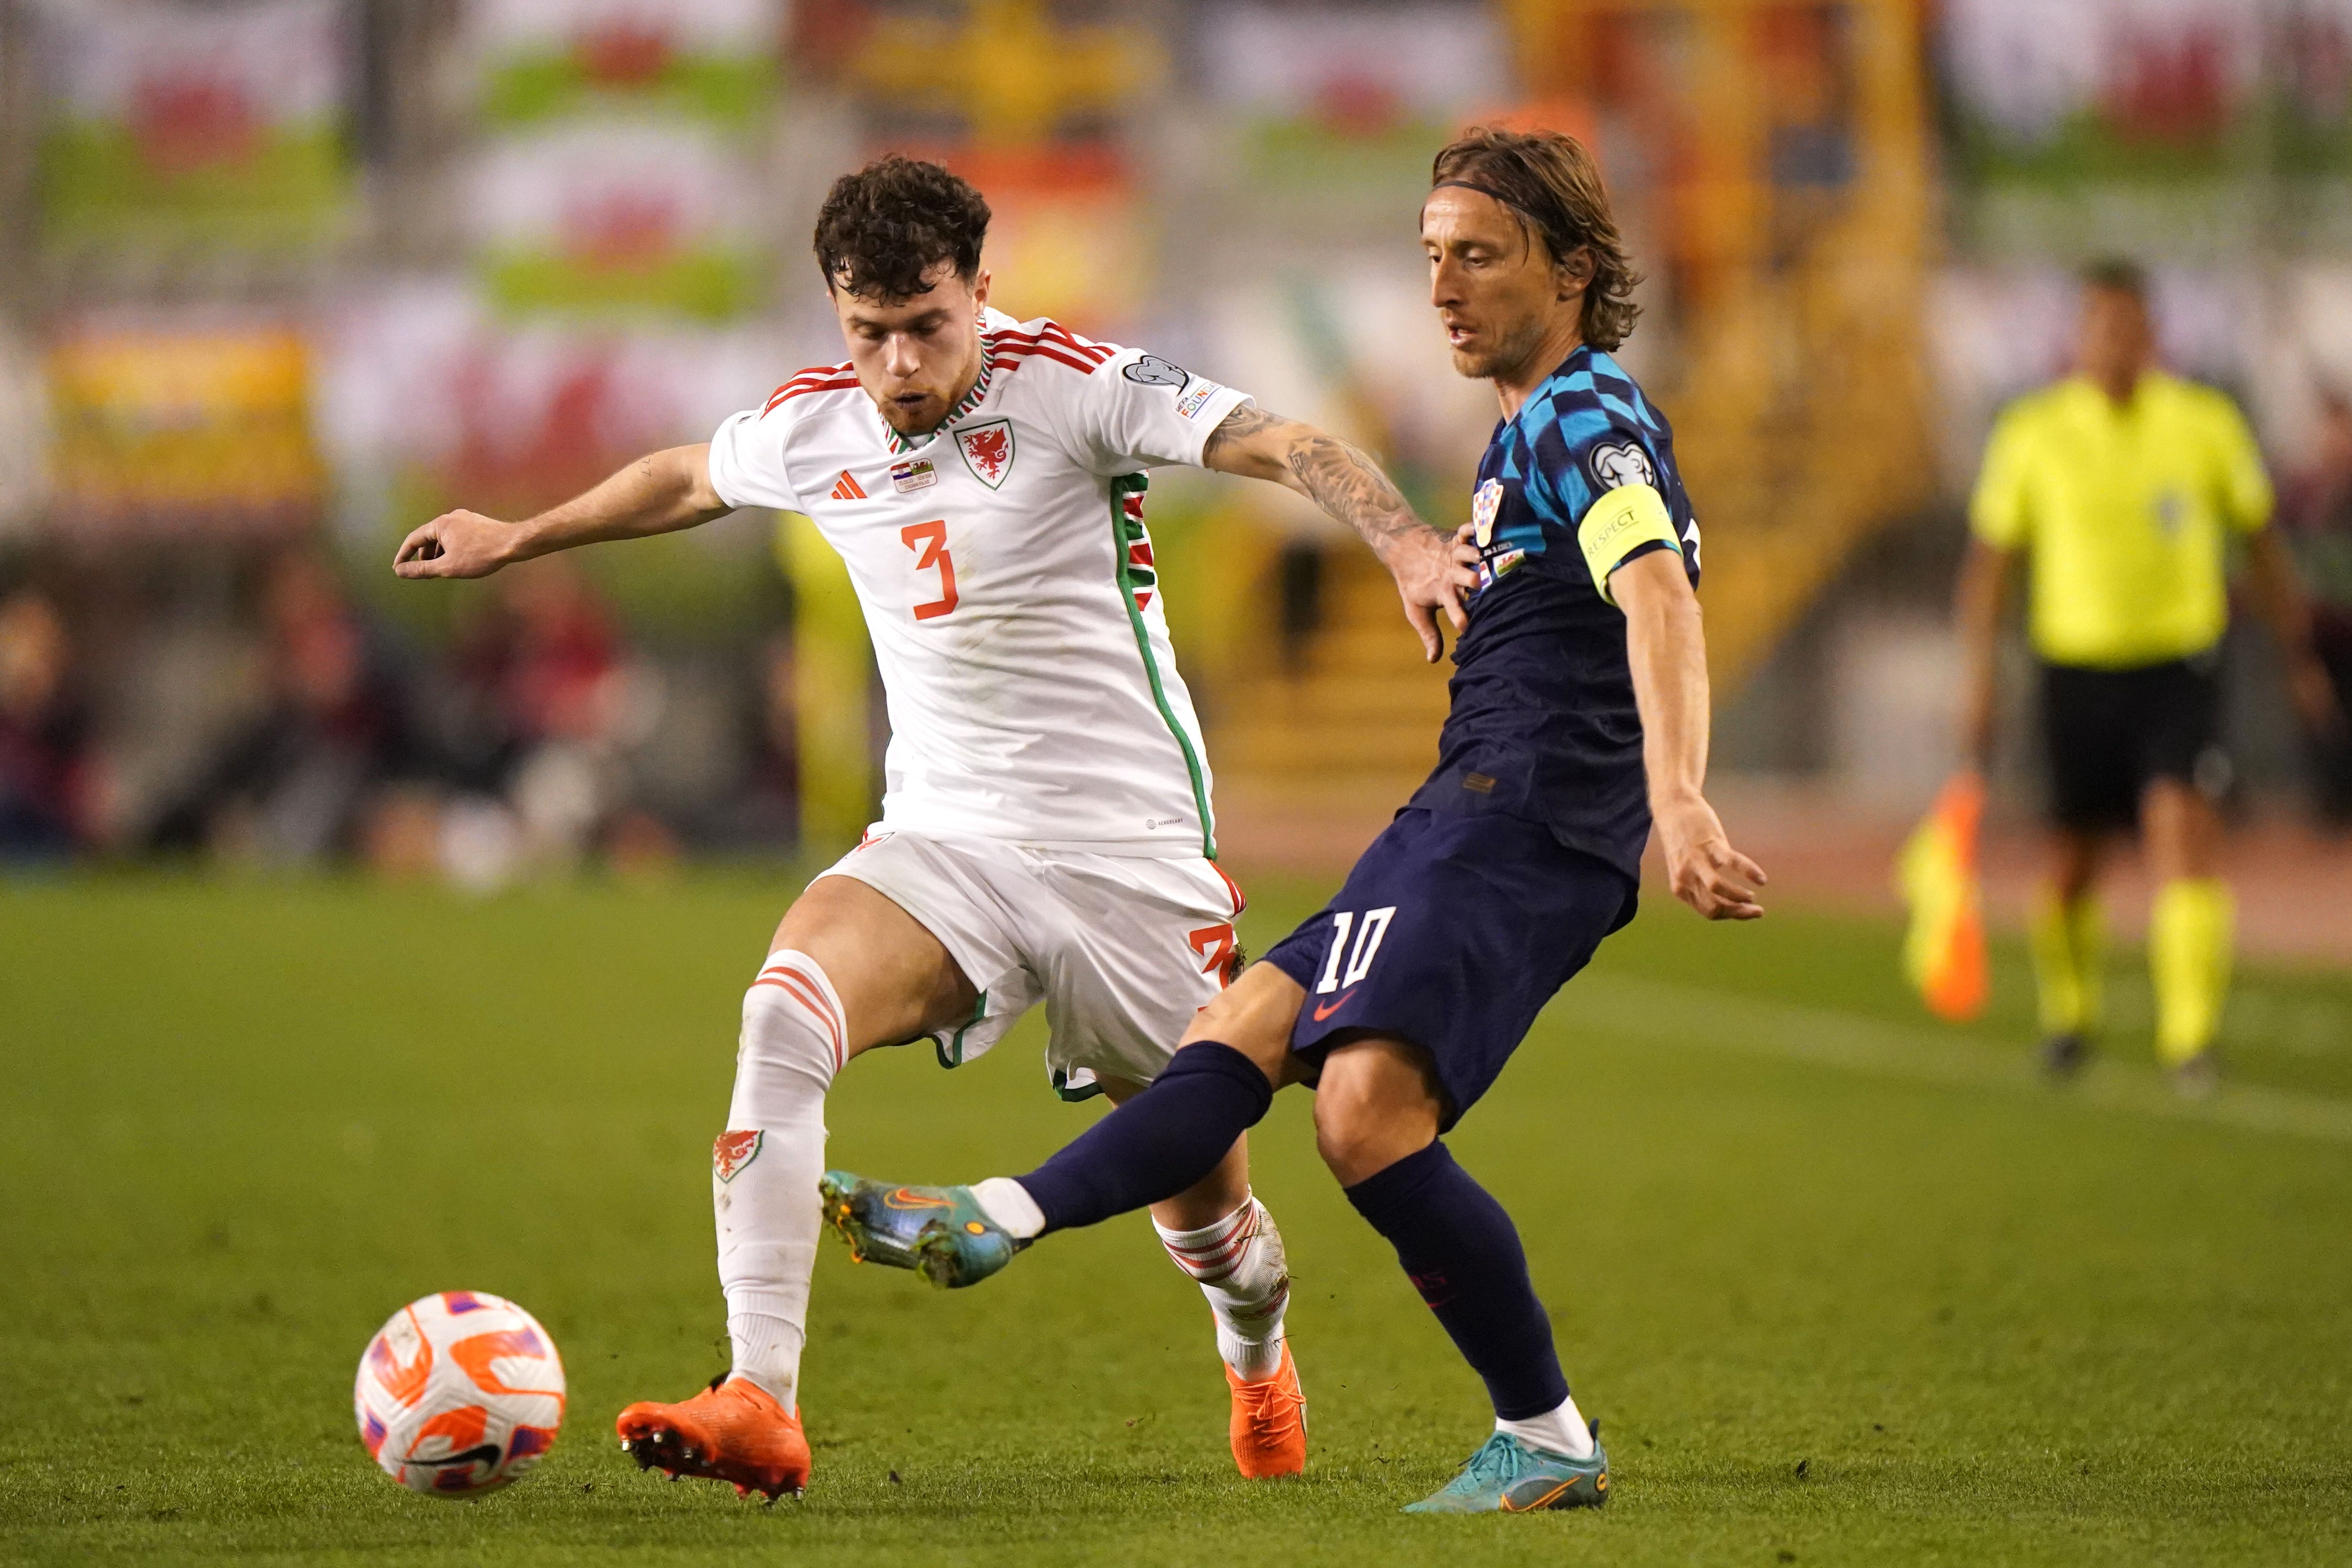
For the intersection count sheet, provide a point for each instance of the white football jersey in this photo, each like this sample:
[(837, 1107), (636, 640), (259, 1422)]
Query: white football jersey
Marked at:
[(1007, 580)]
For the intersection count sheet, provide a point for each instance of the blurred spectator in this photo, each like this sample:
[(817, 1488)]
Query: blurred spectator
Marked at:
[(298, 780), (767, 810), (45, 770), (536, 700), (2318, 511)]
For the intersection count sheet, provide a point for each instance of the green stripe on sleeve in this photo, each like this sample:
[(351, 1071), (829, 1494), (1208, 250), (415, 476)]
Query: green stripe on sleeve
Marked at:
[(1129, 580)]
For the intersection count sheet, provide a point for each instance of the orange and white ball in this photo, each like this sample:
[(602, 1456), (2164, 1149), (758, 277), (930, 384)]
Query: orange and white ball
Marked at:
[(459, 1394)]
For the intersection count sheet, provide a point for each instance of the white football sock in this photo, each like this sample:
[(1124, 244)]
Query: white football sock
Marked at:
[(1008, 1202), (1240, 1265), (1560, 1431), (764, 1168)]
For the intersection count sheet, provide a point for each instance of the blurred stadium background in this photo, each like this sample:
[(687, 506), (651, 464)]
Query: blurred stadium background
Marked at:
[(284, 278)]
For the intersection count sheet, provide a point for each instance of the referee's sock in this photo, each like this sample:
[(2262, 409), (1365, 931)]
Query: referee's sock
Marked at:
[(1156, 1145), (2069, 942), (1463, 1254), (2190, 934)]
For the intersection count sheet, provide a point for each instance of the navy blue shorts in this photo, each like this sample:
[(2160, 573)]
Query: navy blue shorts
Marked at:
[(1452, 931)]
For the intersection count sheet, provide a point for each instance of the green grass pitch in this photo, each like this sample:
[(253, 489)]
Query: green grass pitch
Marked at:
[(1844, 1286)]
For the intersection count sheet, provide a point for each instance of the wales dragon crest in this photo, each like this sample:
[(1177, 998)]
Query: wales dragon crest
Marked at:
[(988, 451)]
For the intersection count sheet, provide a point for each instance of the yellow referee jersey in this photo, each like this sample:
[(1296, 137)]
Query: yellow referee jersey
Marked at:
[(2126, 513)]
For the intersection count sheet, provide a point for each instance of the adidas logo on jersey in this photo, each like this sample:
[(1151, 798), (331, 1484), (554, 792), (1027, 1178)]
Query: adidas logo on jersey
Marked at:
[(847, 489)]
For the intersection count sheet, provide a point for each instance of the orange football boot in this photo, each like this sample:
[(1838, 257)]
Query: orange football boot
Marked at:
[(732, 1431), (1269, 1429)]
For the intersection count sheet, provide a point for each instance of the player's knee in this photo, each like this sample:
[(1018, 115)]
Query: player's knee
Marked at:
[(793, 1020), (1342, 1136), (1358, 1141), (1253, 1015), (1375, 1105)]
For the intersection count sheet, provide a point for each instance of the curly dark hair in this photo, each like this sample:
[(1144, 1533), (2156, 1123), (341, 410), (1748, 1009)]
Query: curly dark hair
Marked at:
[(882, 228), (1553, 186)]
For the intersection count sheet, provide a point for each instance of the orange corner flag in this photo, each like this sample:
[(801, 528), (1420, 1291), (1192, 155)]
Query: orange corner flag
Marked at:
[(1944, 954)]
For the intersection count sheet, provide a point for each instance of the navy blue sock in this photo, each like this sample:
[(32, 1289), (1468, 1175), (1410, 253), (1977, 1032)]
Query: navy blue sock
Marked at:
[(1464, 1256), (1157, 1143)]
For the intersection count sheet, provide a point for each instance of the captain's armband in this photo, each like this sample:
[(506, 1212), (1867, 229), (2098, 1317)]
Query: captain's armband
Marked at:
[(1620, 523)]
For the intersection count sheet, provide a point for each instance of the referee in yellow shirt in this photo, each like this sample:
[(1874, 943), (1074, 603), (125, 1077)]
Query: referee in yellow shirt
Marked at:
[(2120, 489)]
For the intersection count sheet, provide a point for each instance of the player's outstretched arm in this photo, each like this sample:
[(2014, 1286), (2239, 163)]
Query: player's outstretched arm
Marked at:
[(1433, 570), (658, 493), (1667, 649)]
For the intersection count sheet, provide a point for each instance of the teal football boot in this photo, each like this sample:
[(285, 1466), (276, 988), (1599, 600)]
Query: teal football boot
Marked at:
[(1507, 1475), (938, 1231)]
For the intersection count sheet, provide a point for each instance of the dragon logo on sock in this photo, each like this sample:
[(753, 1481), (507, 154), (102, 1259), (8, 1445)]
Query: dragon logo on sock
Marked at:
[(732, 1151)]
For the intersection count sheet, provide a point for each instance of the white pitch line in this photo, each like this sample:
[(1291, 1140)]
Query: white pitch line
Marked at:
[(1691, 1015)]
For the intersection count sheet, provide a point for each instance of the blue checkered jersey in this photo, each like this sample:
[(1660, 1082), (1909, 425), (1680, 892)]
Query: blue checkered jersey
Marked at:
[(1543, 724)]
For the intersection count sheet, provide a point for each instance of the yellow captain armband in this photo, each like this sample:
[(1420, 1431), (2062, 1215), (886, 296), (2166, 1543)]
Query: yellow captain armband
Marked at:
[(1620, 523)]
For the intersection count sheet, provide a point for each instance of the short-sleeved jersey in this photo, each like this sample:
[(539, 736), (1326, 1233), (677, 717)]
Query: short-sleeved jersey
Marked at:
[(1543, 723), (2125, 514), (1007, 580)]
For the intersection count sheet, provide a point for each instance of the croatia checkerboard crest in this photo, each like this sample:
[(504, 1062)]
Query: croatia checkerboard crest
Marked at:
[(1486, 503), (988, 451)]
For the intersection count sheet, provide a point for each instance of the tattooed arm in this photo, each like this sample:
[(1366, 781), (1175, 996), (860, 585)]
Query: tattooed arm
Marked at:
[(1433, 570)]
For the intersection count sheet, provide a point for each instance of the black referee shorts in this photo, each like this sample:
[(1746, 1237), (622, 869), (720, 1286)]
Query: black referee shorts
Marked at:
[(2109, 734)]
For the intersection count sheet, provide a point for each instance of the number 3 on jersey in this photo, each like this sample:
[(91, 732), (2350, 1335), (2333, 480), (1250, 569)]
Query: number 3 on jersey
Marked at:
[(929, 543)]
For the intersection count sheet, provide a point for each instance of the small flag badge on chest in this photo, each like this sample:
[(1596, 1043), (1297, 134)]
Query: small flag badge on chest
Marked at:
[(913, 474)]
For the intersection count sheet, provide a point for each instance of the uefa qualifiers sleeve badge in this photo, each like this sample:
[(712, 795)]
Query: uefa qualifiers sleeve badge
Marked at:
[(1619, 464), (1152, 371), (988, 451)]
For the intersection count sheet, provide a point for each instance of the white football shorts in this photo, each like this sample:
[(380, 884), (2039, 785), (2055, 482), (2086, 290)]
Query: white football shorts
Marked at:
[(1122, 949)]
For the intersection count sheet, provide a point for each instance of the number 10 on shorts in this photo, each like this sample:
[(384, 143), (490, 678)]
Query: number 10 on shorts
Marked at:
[(1375, 926)]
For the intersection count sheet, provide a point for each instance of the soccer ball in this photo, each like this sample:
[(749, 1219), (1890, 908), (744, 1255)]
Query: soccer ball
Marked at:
[(459, 1394)]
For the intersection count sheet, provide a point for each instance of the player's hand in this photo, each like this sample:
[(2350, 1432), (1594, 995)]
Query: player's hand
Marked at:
[(1433, 572), (457, 544), (1702, 867)]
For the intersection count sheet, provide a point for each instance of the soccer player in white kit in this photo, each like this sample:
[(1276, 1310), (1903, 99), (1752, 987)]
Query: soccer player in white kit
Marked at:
[(1047, 829)]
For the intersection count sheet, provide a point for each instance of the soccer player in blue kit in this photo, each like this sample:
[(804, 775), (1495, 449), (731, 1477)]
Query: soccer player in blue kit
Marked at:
[(1578, 723)]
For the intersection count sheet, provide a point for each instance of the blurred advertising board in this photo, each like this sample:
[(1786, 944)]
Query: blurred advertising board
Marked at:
[(162, 426), (712, 60), (1351, 102), (2187, 127), (627, 217), (170, 124), (619, 173)]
